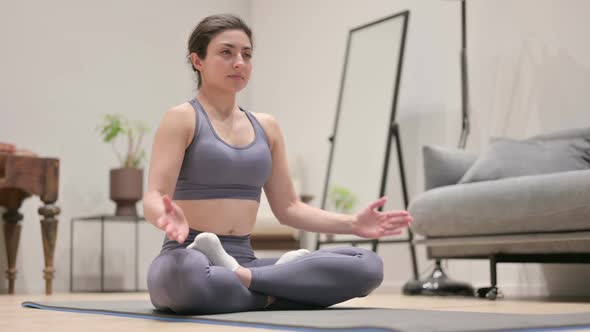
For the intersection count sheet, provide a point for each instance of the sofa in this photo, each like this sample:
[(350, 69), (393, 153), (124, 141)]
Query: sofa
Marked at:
[(522, 200)]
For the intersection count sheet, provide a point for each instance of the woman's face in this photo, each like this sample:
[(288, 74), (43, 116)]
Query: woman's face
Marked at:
[(227, 65)]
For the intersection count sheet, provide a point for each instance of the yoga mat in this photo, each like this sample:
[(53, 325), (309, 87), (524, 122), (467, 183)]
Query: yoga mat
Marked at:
[(338, 318)]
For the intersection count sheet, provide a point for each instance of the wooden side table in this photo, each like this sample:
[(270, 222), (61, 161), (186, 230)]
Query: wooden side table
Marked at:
[(21, 177)]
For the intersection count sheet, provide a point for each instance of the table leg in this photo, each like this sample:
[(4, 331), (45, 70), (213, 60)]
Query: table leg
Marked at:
[(102, 254), (136, 255), (72, 255), (12, 229), (49, 235)]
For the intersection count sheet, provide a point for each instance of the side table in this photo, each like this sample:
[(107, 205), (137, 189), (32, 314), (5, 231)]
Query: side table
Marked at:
[(102, 218), (20, 178)]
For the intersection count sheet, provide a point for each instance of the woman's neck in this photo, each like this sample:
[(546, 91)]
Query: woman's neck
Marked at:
[(220, 103)]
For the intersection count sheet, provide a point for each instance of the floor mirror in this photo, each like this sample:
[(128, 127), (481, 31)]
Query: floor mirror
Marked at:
[(365, 135)]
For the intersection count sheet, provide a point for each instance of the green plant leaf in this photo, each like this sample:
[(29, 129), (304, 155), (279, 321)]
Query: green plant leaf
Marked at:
[(342, 199), (114, 126)]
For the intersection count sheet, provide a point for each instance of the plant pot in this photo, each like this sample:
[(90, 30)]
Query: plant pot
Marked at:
[(126, 189)]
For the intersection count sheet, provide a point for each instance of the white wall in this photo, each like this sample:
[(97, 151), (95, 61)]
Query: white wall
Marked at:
[(63, 65), (528, 73), (531, 67)]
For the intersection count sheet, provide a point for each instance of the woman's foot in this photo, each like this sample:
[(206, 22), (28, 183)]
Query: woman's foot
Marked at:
[(269, 300), (209, 244), (292, 255), (245, 276)]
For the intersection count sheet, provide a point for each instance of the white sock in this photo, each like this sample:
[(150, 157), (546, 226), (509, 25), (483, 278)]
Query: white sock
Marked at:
[(291, 255), (209, 244)]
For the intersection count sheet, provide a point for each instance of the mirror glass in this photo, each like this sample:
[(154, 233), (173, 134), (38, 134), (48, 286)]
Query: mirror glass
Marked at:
[(366, 108)]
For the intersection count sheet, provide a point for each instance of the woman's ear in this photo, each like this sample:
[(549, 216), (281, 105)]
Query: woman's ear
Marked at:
[(196, 61)]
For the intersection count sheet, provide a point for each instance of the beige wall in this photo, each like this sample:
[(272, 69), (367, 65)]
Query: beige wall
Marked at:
[(65, 63)]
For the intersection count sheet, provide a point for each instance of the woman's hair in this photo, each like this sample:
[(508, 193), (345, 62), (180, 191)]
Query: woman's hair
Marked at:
[(207, 29)]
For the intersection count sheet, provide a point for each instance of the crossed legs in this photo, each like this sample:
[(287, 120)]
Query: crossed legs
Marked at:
[(187, 281)]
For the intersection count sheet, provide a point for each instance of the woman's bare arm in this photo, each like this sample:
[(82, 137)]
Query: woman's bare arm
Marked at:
[(281, 195), (290, 211), (173, 135)]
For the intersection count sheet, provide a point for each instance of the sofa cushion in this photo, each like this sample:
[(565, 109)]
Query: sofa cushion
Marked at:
[(444, 166), (539, 203), (506, 158)]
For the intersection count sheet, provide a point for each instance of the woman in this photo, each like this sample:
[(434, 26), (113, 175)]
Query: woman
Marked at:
[(213, 158)]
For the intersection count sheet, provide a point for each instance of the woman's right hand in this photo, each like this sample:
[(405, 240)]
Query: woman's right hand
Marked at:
[(173, 221)]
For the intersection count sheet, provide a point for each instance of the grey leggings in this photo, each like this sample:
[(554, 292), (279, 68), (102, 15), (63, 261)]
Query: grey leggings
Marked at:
[(184, 281)]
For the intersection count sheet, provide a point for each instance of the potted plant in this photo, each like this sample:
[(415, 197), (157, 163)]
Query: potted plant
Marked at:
[(126, 181), (342, 200)]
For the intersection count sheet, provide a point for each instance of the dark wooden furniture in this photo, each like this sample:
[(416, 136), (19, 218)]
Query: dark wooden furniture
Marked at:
[(21, 177), (274, 242)]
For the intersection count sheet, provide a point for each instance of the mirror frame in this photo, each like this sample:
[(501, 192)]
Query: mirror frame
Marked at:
[(393, 131), (391, 123)]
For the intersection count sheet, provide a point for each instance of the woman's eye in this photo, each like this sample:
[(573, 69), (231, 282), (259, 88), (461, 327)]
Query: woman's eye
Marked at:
[(249, 56), (226, 52)]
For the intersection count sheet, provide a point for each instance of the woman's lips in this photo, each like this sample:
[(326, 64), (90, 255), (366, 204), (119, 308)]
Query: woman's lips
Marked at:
[(235, 77)]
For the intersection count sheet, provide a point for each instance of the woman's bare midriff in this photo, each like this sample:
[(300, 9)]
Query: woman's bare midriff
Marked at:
[(220, 216)]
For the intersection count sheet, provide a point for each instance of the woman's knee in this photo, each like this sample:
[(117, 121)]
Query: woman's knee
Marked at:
[(370, 270), (175, 265), (177, 280), (367, 268)]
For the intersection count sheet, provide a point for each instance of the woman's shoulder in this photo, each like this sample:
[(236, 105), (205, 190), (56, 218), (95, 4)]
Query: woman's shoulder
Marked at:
[(180, 119), (184, 109), (181, 114), (268, 122), (271, 127)]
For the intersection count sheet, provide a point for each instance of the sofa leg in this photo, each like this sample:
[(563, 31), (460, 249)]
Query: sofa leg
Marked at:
[(493, 273), (492, 292)]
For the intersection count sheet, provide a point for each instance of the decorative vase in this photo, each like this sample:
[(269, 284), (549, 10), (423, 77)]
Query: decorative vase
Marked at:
[(126, 189)]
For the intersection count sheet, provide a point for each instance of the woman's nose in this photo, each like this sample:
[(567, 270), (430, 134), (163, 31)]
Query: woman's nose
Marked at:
[(239, 61)]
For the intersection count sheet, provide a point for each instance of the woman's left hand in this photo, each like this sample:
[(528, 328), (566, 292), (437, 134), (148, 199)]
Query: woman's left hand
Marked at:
[(370, 223)]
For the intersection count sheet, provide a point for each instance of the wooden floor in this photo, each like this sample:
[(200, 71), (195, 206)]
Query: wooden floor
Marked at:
[(15, 318)]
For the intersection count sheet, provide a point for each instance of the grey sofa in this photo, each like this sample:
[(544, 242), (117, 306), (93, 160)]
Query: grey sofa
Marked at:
[(531, 202)]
